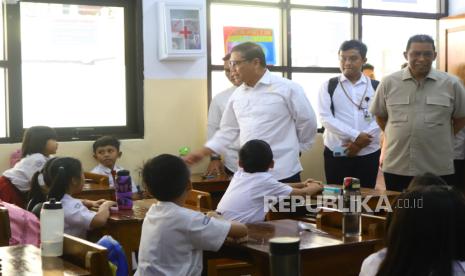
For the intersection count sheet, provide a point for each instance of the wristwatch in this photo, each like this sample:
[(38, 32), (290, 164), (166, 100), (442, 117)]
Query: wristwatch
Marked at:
[(215, 156)]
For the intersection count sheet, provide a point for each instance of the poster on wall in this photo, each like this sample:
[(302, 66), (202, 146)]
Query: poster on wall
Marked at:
[(261, 36)]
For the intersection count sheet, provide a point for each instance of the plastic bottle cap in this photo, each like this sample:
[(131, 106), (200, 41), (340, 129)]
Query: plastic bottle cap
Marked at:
[(52, 204), (123, 173), (284, 245), (184, 151)]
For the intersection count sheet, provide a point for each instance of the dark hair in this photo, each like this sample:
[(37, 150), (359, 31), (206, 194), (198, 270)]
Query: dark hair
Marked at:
[(227, 57), (368, 66), (422, 38), (166, 177), (250, 51), (256, 156), (426, 239), (35, 139), (106, 141), (427, 179), (61, 173), (354, 44), (36, 194)]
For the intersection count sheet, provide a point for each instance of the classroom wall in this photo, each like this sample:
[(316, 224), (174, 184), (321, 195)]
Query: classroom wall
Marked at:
[(175, 111)]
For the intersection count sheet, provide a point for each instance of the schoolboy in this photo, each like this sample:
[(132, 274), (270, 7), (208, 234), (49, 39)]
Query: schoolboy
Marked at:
[(107, 152), (243, 201), (173, 237)]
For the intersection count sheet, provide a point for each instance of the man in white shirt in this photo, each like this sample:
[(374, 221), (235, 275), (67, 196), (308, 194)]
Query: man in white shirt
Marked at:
[(351, 136), (215, 113), (266, 107)]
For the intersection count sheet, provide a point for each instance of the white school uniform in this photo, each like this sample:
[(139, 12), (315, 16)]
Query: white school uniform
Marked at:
[(21, 174), (243, 201), (370, 265), (101, 169), (77, 216), (173, 238)]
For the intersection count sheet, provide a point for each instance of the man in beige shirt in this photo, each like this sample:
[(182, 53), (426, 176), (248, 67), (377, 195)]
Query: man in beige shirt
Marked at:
[(419, 109)]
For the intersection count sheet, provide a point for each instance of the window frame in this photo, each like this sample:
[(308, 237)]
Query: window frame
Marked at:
[(134, 74), (286, 68)]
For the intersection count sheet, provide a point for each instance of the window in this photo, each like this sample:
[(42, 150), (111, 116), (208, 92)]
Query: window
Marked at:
[(308, 33), (75, 67)]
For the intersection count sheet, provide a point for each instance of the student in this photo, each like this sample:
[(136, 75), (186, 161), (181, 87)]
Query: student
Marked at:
[(39, 142), (24, 226), (173, 237), (424, 235), (428, 179), (67, 179), (106, 152), (243, 201)]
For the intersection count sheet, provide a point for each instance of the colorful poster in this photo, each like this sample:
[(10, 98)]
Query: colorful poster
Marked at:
[(263, 37)]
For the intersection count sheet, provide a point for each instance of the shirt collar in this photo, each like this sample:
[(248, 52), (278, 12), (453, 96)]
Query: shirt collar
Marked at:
[(265, 79), (433, 74), (108, 170), (362, 79)]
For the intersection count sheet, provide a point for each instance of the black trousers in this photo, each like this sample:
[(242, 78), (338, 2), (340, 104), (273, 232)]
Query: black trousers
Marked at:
[(396, 182), (293, 179), (459, 166), (363, 167)]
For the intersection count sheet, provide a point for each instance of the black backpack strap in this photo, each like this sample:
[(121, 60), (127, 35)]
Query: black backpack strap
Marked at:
[(374, 83), (332, 84)]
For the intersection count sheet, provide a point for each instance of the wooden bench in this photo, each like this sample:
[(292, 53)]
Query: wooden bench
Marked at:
[(5, 231)]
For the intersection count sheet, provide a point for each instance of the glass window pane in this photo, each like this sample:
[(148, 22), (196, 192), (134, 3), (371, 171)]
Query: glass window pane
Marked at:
[(385, 52), (221, 83), (269, 1), (2, 39), (223, 15), (427, 6), (337, 3), (73, 62), (311, 82), (3, 109), (318, 46)]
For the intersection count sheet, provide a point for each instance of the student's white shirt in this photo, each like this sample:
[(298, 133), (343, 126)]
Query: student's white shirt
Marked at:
[(21, 174), (371, 265), (277, 111), (348, 120), (101, 169), (173, 238), (77, 216), (215, 112), (243, 201), (459, 145)]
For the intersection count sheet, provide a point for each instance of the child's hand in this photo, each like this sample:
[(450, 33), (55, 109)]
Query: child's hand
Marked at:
[(314, 187), (243, 239), (214, 214), (106, 205), (97, 203)]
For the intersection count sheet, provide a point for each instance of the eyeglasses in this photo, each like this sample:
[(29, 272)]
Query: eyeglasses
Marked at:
[(233, 63)]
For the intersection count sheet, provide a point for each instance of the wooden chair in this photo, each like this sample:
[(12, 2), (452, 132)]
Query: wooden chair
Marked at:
[(96, 178), (90, 256), (5, 231), (372, 225), (199, 199)]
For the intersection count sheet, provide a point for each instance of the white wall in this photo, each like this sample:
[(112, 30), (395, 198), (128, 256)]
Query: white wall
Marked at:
[(456, 7)]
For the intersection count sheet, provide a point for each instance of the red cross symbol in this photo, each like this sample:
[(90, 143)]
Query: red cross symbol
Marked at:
[(185, 32)]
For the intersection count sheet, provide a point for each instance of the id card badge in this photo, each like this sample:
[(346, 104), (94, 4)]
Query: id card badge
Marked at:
[(367, 116), (339, 151)]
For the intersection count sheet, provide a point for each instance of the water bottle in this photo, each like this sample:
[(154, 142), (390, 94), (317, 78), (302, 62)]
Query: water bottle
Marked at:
[(284, 256), (123, 188), (52, 224), (351, 218)]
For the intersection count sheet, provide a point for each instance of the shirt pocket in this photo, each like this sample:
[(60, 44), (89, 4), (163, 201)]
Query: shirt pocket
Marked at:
[(398, 110), (269, 107), (437, 110)]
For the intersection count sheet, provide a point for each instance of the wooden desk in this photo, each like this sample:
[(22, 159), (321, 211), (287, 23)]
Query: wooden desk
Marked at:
[(126, 226), (321, 254), (26, 260), (216, 186), (96, 191)]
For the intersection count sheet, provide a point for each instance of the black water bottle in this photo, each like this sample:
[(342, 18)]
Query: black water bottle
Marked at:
[(284, 256)]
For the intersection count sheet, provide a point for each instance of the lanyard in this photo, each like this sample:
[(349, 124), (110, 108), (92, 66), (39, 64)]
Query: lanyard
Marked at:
[(359, 106)]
